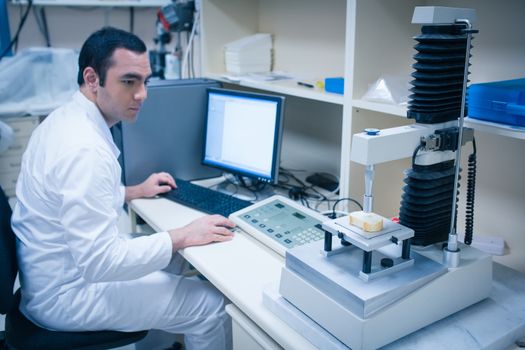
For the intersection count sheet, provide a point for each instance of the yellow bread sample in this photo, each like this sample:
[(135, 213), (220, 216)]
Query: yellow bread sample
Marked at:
[(368, 222)]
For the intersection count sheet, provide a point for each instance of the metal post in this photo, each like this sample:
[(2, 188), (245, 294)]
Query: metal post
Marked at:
[(405, 252), (367, 261), (369, 184), (452, 245), (327, 241)]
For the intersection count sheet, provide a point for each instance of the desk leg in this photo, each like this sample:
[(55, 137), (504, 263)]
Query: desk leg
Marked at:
[(246, 334), (133, 218)]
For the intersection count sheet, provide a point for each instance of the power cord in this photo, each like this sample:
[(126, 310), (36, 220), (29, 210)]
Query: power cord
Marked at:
[(41, 21), (344, 199), (305, 193), (19, 29)]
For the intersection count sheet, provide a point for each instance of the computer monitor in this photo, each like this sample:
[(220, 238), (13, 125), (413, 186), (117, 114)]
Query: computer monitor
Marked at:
[(243, 133)]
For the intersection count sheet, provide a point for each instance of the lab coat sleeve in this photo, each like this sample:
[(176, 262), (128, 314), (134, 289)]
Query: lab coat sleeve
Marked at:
[(122, 194), (89, 191)]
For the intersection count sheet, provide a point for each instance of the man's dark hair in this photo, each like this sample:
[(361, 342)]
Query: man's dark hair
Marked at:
[(99, 47)]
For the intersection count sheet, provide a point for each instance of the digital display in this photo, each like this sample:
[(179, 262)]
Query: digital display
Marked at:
[(297, 215)]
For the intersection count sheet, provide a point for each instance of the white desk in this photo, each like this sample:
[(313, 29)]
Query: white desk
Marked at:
[(242, 268)]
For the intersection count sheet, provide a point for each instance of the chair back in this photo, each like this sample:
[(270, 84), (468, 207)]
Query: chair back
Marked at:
[(21, 333), (8, 263)]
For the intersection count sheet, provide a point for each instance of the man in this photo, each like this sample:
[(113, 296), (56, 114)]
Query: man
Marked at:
[(76, 272)]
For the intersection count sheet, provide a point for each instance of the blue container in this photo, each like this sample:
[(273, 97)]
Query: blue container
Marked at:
[(336, 85), (499, 102)]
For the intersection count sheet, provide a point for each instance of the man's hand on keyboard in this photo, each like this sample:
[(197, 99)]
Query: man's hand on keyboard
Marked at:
[(155, 184), (208, 229)]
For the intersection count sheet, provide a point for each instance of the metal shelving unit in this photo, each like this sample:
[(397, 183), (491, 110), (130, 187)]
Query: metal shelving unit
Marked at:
[(108, 3), (516, 132)]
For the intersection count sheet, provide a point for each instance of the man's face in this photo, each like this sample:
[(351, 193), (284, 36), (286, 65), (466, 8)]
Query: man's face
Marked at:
[(124, 90)]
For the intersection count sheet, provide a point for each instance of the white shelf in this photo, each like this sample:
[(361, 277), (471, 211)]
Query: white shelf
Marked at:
[(496, 128), (108, 3), (308, 40), (480, 125), (400, 111), (287, 87)]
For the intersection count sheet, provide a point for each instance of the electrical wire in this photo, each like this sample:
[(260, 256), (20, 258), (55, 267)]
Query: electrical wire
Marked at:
[(188, 51), (415, 154), (345, 199), (192, 60), (20, 15), (298, 190), (46, 27), (19, 29), (196, 16), (292, 175), (41, 21), (238, 182), (131, 19)]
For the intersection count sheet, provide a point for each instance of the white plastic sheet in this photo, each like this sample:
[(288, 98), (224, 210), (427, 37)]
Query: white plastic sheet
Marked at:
[(37, 80), (389, 89), (6, 136)]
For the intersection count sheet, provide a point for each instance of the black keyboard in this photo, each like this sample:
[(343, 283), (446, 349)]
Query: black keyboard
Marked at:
[(205, 199)]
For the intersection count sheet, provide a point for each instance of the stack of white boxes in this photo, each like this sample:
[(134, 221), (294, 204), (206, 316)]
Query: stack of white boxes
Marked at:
[(11, 159), (252, 54)]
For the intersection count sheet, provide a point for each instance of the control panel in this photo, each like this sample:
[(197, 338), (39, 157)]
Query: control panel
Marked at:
[(280, 223)]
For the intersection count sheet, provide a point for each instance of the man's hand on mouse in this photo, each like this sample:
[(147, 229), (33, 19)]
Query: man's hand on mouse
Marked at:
[(204, 230)]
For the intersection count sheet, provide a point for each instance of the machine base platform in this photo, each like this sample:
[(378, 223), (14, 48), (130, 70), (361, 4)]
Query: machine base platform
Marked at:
[(428, 302)]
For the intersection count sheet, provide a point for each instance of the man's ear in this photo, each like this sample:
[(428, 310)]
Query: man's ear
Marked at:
[(91, 79)]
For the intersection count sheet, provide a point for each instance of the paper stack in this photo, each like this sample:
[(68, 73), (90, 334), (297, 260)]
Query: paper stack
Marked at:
[(252, 54)]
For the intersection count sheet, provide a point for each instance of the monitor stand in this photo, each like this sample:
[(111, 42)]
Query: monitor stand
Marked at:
[(240, 190)]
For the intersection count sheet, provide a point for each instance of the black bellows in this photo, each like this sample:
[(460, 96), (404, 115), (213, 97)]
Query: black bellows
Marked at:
[(439, 69), (426, 204)]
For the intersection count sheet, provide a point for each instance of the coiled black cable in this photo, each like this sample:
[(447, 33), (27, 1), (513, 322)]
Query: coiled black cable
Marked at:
[(471, 189)]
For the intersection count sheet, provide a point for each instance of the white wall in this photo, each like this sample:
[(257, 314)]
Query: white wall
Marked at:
[(500, 198)]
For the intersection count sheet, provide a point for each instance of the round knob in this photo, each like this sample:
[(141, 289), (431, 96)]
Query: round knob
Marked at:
[(372, 131), (387, 262)]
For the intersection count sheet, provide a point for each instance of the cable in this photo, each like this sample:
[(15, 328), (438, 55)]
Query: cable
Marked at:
[(300, 191), (290, 174), (44, 24), (188, 50), (330, 213), (19, 29), (415, 154), (345, 199), (20, 15), (192, 60), (190, 40), (131, 19), (321, 196), (41, 21), (471, 189)]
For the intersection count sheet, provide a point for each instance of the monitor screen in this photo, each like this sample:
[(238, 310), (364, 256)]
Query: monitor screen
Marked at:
[(243, 133)]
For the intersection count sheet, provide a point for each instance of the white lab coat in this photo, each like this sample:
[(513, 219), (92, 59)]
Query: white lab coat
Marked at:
[(76, 271)]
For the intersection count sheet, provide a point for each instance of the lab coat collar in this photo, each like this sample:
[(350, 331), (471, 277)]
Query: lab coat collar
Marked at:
[(98, 120)]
